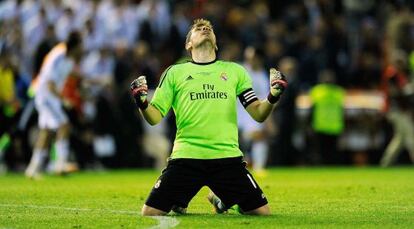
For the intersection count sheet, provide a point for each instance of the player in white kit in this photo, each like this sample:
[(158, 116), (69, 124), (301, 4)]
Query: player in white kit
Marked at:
[(58, 64)]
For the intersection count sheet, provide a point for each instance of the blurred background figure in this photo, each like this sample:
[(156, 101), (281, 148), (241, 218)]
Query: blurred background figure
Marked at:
[(156, 143), (97, 69), (254, 135), (12, 99), (155, 140), (327, 118), (285, 153), (398, 91), (59, 63), (9, 105)]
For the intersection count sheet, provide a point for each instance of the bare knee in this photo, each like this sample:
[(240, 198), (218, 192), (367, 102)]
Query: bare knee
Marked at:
[(150, 211), (263, 210), (63, 131)]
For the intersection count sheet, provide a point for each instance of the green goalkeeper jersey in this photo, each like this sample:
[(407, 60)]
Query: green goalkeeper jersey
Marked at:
[(203, 97)]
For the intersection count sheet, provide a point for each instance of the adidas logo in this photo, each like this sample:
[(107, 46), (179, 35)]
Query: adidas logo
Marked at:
[(189, 77)]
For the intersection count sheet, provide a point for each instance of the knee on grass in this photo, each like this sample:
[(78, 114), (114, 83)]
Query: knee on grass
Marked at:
[(150, 211), (263, 210)]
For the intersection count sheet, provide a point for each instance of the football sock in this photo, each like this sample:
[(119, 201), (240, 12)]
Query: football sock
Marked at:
[(259, 155), (4, 144), (38, 156), (36, 162), (221, 206), (62, 153)]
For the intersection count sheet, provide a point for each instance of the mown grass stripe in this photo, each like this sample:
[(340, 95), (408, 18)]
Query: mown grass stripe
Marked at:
[(125, 212)]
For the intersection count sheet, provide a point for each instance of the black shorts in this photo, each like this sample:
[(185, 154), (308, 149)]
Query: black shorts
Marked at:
[(228, 178)]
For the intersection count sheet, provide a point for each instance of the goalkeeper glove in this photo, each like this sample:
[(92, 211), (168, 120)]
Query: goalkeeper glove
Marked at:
[(139, 91), (278, 84)]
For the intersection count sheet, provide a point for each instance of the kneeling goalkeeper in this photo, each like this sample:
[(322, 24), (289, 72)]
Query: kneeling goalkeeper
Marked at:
[(203, 95)]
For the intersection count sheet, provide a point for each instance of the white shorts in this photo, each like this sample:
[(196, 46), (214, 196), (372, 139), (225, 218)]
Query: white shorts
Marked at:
[(51, 114)]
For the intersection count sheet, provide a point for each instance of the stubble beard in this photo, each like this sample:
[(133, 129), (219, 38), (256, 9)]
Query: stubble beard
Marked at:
[(206, 43)]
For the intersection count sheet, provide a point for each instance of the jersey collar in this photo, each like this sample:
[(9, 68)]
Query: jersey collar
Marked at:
[(192, 61)]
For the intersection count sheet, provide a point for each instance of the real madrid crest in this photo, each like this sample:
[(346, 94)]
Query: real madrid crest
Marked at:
[(223, 76)]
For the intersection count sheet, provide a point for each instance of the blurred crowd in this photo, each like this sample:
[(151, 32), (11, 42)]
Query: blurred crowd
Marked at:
[(342, 45)]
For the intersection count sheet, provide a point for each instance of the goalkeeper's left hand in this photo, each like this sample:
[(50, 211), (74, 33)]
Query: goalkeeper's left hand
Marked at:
[(139, 90), (278, 84)]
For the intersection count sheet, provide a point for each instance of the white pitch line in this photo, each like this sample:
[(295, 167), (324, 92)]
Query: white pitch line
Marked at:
[(165, 222), (125, 212)]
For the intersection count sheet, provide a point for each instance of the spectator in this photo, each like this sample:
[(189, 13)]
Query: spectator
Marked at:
[(48, 42), (397, 90), (12, 99), (284, 153), (255, 135), (327, 118), (98, 68), (65, 24), (156, 143), (9, 104)]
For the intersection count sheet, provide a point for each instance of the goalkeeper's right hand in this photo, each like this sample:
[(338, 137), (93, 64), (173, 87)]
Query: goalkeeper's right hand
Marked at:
[(139, 90), (278, 84)]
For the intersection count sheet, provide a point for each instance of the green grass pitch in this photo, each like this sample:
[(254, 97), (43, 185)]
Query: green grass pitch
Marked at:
[(299, 198)]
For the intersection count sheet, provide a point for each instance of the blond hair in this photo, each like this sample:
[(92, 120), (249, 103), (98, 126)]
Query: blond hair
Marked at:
[(197, 23)]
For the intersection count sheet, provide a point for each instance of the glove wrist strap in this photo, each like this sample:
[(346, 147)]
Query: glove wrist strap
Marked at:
[(272, 99)]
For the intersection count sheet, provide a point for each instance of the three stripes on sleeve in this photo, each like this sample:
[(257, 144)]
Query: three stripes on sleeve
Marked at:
[(247, 97)]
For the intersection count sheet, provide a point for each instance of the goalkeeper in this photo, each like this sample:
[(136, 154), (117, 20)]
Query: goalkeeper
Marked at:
[(203, 95)]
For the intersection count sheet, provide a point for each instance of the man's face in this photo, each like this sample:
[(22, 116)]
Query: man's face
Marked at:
[(201, 34)]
